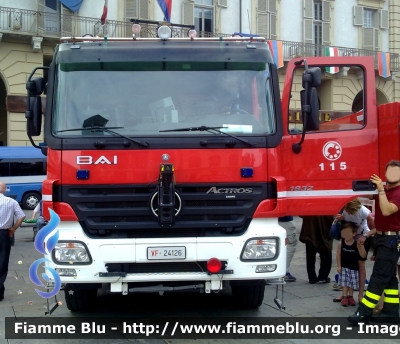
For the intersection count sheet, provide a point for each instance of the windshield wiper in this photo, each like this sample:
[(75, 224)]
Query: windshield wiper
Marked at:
[(212, 130), (107, 130)]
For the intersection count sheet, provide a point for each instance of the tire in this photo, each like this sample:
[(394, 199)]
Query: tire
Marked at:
[(79, 299), (249, 297), (30, 200)]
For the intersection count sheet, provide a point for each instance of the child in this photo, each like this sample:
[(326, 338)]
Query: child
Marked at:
[(355, 212), (349, 252)]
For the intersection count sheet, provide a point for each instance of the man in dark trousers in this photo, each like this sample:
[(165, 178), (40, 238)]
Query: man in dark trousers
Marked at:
[(315, 234), (386, 252), (9, 208)]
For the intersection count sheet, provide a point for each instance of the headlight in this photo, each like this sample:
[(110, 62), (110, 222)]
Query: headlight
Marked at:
[(260, 249), (71, 253)]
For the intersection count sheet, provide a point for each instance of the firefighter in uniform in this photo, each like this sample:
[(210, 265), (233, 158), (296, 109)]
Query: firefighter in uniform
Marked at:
[(386, 251)]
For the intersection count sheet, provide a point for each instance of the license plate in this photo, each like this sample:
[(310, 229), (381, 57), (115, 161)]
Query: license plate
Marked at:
[(166, 252)]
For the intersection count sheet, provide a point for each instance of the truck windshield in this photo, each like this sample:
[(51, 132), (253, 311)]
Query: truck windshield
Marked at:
[(143, 99)]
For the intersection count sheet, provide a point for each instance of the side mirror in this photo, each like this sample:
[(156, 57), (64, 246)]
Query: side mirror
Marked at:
[(35, 87), (309, 101), (34, 116), (33, 113), (310, 108), (312, 76)]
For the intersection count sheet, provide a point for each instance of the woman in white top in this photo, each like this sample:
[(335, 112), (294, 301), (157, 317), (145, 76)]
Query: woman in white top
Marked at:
[(355, 212)]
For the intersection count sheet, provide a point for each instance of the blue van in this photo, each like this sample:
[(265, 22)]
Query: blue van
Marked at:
[(23, 170)]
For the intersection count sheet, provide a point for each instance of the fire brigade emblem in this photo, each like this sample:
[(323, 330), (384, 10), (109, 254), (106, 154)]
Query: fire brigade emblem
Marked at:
[(332, 150)]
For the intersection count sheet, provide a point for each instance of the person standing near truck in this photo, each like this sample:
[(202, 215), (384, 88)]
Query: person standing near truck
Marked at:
[(291, 243), (357, 213), (349, 253), (386, 252), (315, 234), (9, 208), (37, 211)]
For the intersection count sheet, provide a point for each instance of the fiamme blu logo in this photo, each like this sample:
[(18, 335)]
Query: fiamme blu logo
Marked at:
[(45, 241)]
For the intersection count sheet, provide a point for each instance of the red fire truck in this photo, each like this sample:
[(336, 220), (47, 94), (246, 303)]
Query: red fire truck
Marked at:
[(169, 161)]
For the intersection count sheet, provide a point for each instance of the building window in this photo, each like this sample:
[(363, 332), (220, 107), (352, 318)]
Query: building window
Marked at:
[(266, 18), (204, 17), (204, 2), (136, 9), (50, 22), (371, 21), (318, 10), (369, 18), (316, 26), (199, 13)]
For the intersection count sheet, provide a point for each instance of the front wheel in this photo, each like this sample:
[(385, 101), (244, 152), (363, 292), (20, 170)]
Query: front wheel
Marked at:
[(79, 299), (250, 297), (30, 200)]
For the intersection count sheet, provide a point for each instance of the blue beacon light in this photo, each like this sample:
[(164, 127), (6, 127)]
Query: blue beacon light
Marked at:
[(246, 172), (82, 174)]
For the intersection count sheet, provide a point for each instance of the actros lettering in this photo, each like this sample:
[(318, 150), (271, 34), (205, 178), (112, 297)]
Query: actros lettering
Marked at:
[(214, 190), (88, 160)]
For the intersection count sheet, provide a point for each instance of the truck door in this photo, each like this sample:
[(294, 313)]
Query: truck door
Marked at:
[(336, 160)]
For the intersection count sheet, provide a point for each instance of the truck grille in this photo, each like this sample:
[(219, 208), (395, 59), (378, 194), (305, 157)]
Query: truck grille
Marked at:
[(122, 211)]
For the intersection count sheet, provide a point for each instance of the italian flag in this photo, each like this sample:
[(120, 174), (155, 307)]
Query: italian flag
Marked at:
[(330, 51), (104, 15)]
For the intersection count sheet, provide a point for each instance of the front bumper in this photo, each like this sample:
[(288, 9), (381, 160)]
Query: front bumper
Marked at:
[(132, 252)]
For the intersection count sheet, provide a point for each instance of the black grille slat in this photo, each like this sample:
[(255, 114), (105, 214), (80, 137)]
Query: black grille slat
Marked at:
[(116, 205), (164, 233), (110, 191), (213, 203), (117, 219)]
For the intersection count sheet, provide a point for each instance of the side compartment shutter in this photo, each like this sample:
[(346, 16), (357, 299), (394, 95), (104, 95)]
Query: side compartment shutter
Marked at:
[(262, 5), (223, 3), (144, 9), (326, 37), (358, 15), (131, 9), (308, 31), (384, 19), (376, 39), (263, 24), (39, 26), (67, 17), (368, 38), (272, 6), (272, 27), (187, 13), (326, 10), (308, 8)]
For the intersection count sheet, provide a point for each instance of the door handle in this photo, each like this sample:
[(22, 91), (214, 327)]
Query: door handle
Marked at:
[(363, 185)]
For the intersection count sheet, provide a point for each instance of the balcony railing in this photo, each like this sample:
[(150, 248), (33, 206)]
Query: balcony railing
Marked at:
[(298, 49), (53, 25), (20, 21)]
